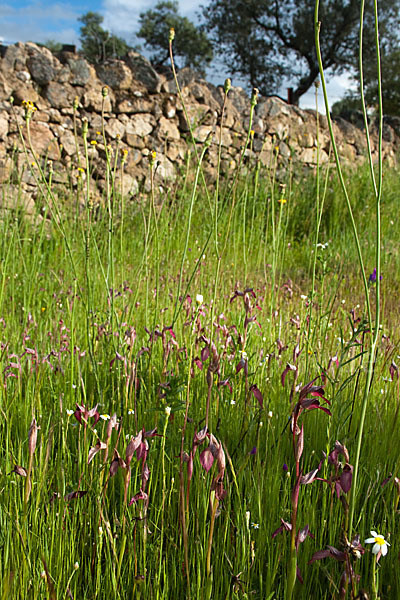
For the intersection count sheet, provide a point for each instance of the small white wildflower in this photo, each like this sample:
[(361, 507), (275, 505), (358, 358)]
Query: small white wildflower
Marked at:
[(303, 297), (105, 417), (76, 566), (100, 531), (288, 474), (255, 526), (343, 301), (261, 424), (167, 410), (233, 402), (199, 299), (380, 544), (243, 354), (69, 412), (131, 411), (43, 574), (270, 414)]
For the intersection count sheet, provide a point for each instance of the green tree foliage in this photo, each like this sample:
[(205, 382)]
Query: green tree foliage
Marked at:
[(52, 45), (97, 43), (192, 47), (390, 65), (269, 41)]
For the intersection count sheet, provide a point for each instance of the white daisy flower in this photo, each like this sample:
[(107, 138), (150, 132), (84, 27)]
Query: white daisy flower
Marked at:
[(380, 544)]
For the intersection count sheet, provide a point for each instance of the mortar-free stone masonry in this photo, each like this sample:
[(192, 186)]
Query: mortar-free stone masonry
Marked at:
[(143, 112)]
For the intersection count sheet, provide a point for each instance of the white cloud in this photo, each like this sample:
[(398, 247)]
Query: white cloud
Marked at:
[(39, 22), (336, 86), (122, 16)]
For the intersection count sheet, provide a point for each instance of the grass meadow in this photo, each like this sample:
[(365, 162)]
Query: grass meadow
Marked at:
[(183, 384)]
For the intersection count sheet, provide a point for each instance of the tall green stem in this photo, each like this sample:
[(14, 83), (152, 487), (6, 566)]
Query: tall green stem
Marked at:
[(373, 325)]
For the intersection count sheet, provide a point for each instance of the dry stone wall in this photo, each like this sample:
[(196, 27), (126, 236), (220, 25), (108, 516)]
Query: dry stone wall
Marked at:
[(142, 112)]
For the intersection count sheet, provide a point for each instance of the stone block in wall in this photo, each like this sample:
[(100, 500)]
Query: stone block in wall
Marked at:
[(115, 129), (42, 115), (43, 140), (167, 129), (5, 88), (20, 199), (202, 132), (239, 100), (24, 92), (14, 58), (41, 68), (141, 125), (6, 166), (59, 95), (3, 126), (81, 72), (185, 77), (165, 168), (309, 156), (95, 122), (306, 139), (347, 151), (278, 128), (345, 129), (54, 115), (134, 141), (393, 122), (135, 103), (134, 157), (116, 74), (230, 117), (258, 125), (23, 76), (130, 184), (63, 75), (197, 114), (169, 107), (67, 140), (272, 107), (226, 138), (143, 71), (267, 156), (176, 150), (202, 93), (93, 99)]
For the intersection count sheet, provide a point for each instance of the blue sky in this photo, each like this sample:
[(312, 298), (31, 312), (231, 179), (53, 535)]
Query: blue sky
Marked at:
[(40, 20)]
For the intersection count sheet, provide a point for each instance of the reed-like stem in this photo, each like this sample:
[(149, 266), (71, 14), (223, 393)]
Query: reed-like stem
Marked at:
[(373, 323)]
